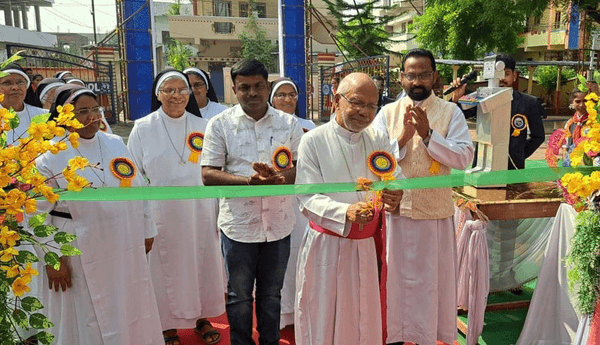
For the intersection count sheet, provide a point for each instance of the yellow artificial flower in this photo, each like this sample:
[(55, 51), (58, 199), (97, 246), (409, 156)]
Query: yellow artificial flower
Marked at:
[(54, 129), (74, 123), (36, 180), (48, 193), (576, 155), (11, 271), (591, 96), (62, 146), (1, 97), (78, 163), (65, 113), (6, 114), (7, 254), (8, 237), (29, 271), (53, 149), (30, 205), (37, 130), (77, 183), (20, 287), (74, 139), (14, 200)]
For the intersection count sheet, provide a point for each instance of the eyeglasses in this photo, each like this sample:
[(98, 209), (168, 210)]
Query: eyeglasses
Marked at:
[(9, 83), (281, 96), (412, 77), (372, 108), (171, 92), (86, 112), (198, 85)]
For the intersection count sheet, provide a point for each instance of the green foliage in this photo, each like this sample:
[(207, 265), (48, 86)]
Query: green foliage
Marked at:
[(42, 118), (31, 304), (583, 261), (39, 321), (64, 237), (174, 9), (359, 32), (178, 55), (37, 220), (255, 44), (546, 76), (52, 260), (468, 29), (69, 250)]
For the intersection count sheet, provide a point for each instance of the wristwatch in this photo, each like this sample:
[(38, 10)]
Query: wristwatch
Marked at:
[(428, 137)]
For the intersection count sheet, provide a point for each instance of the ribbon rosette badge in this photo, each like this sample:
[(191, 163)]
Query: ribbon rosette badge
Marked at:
[(124, 170), (282, 159), (195, 140), (518, 123), (381, 164)]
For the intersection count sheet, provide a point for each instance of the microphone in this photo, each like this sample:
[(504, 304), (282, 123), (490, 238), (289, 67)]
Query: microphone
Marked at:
[(463, 81)]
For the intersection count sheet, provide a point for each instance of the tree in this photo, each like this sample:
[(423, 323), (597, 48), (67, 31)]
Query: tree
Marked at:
[(468, 29), (546, 76), (255, 44), (178, 54), (359, 32)]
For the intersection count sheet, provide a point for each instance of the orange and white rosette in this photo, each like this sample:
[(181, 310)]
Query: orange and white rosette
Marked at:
[(124, 170), (382, 164), (282, 158), (518, 123), (195, 141)]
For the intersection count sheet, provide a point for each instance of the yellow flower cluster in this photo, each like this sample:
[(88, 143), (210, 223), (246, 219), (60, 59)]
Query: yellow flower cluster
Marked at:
[(576, 183), (21, 183)]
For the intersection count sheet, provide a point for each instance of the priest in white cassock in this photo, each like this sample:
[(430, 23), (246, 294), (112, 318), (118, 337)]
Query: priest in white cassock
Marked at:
[(338, 299), (105, 295), (186, 263), (433, 138), (14, 88)]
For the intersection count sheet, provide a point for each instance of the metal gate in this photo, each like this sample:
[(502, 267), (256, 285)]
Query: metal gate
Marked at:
[(373, 65), (99, 77)]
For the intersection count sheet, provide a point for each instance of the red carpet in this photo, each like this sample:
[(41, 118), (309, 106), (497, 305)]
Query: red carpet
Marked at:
[(188, 337)]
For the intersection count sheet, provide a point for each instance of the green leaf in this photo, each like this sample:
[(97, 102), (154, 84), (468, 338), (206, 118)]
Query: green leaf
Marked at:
[(52, 260), (44, 338), (15, 57), (42, 118), (581, 79), (21, 318), (37, 220), (69, 250), (26, 256), (14, 122), (44, 230), (30, 304), (582, 87), (2, 139), (64, 237), (39, 321), (597, 76)]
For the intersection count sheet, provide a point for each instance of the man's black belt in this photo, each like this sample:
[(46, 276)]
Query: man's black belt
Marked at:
[(66, 215)]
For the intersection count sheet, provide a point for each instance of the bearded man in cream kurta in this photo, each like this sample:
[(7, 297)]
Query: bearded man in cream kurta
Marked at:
[(338, 301), (433, 138)]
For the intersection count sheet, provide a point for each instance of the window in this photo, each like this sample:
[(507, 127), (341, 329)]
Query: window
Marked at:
[(261, 8), (222, 8), (557, 22)]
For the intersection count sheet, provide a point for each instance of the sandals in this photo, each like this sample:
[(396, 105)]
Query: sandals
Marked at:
[(206, 335), (171, 340)]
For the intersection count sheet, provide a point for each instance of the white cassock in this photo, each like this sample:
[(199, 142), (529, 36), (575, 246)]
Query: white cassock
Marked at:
[(25, 117), (211, 109), (337, 283), (421, 285), (111, 300), (186, 261), (288, 292)]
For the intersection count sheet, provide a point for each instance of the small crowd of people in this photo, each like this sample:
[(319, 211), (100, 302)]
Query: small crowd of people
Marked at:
[(324, 262)]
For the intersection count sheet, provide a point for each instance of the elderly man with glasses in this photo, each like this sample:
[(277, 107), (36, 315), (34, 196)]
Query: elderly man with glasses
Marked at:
[(433, 138), (337, 287)]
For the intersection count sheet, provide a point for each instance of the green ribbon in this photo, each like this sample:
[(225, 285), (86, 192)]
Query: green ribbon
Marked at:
[(458, 179)]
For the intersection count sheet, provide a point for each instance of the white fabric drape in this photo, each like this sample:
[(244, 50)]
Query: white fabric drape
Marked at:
[(473, 282), (551, 319)]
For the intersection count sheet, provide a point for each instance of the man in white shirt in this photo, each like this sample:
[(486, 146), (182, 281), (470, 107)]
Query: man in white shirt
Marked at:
[(253, 144)]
